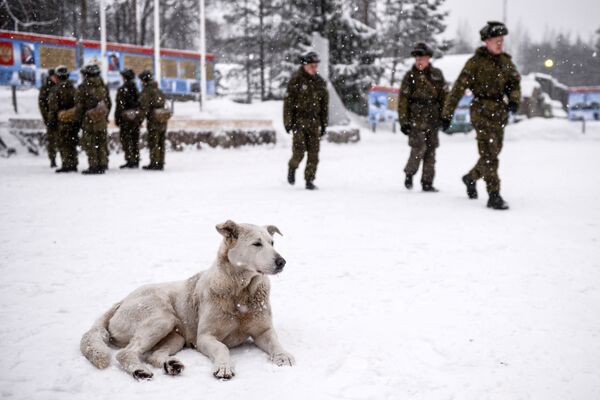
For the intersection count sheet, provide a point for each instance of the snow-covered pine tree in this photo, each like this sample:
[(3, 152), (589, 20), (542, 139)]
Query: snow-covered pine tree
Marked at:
[(407, 22), (289, 38), (352, 54)]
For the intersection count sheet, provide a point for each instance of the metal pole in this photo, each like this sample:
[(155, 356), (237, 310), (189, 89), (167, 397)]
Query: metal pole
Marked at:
[(202, 56), (504, 11), (103, 64), (14, 98), (156, 43)]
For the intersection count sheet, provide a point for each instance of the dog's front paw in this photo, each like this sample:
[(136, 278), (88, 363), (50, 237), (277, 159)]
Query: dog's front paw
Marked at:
[(223, 372), (282, 359), (142, 375), (173, 367)]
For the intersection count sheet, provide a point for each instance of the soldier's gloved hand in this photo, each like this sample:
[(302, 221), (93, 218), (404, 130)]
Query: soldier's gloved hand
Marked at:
[(446, 124), (289, 128), (513, 107), (405, 129), (323, 131)]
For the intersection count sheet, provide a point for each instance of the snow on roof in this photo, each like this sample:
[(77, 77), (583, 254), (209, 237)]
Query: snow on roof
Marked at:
[(451, 65)]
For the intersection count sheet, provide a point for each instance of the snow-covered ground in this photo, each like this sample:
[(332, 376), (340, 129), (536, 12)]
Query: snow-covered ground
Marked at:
[(387, 293)]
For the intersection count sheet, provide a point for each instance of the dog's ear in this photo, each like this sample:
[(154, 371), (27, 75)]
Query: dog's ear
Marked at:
[(272, 229), (228, 229)]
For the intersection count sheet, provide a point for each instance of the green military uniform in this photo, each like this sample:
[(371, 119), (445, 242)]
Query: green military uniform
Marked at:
[(490, 78), (129, 130), (62, 98), (305, 114), (151, 99), (51, 133), (420, 102), (94, 138)]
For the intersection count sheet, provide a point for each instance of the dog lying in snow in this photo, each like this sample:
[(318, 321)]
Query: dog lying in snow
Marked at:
[(212, 311)]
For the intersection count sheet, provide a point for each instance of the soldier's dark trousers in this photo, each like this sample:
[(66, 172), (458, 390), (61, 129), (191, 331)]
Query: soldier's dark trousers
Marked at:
[(130, 138), (95, 144), (53, 144), (489, 144), (307, 141), (68, 145), (156, 145), (422, 145)]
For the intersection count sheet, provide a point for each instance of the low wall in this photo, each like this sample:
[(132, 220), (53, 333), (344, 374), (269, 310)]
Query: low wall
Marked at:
[(181, 134)]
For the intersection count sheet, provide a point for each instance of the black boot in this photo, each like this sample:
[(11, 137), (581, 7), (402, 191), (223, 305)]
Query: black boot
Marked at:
[(311, 186), (52, 163), (428, 187), (66, 169), (291, 176), (92, 171), (126, 165), (471, 187), (497, 202), (408, 183), (153, 167)]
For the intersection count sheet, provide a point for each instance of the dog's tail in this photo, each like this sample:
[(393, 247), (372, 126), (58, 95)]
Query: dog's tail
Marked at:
[(94, 343)]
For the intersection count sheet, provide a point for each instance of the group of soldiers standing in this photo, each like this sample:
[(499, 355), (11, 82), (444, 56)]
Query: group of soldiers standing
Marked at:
[(424, 106), (66, 110)]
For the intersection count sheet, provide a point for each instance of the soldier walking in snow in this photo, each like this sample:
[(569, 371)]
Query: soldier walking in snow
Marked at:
[(152, 107), (495, 83), (51, 134), (61, 117), (128, 119), (305, 109), (420, 103), (92, 104)]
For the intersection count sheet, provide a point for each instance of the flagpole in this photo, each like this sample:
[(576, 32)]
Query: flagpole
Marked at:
[(202, 56), (103, 64), (156, 43)]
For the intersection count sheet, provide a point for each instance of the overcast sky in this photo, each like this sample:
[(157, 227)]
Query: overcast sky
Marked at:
[(580, 17)]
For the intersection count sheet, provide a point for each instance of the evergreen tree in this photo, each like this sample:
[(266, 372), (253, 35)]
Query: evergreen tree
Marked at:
[(352, 54)]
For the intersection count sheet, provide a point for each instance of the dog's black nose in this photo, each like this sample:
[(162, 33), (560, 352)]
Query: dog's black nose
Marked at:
[(280, 263)]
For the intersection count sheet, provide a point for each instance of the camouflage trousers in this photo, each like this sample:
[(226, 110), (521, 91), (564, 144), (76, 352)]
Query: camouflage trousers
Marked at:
[(53, 143), (67, 144), (130, 138), (422, 149), (306, 141), (489, 145), (95, 145), (156, 145)]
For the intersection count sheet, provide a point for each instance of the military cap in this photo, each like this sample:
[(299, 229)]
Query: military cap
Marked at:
[(145, 76), (493, 29), (421, 49), (51, 72), (90, 70), (309, 58), (61, 71), (128, 74)]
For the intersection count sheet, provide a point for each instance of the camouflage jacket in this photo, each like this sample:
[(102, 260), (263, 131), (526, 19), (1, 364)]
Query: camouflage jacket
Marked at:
[(43, 99), (128, 97), (151, 98), (490, 78), (91, 92), (62, 97), (306, 102), (421, 98)]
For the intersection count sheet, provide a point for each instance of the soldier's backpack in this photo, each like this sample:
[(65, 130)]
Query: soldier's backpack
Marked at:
[(67, 116), (162, 115), (98, 113)]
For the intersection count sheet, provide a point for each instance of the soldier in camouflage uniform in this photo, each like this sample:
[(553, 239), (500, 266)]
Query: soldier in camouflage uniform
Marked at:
[(152, 98), (62, 98), (93, 117), (128, 99), (420, 103), (495, 83), (305, 114), (51, 134)]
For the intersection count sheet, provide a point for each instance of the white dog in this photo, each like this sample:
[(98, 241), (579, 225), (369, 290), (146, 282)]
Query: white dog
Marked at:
[(212, 311)]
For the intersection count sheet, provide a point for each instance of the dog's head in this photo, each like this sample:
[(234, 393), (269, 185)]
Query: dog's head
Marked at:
[(250, 247)]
